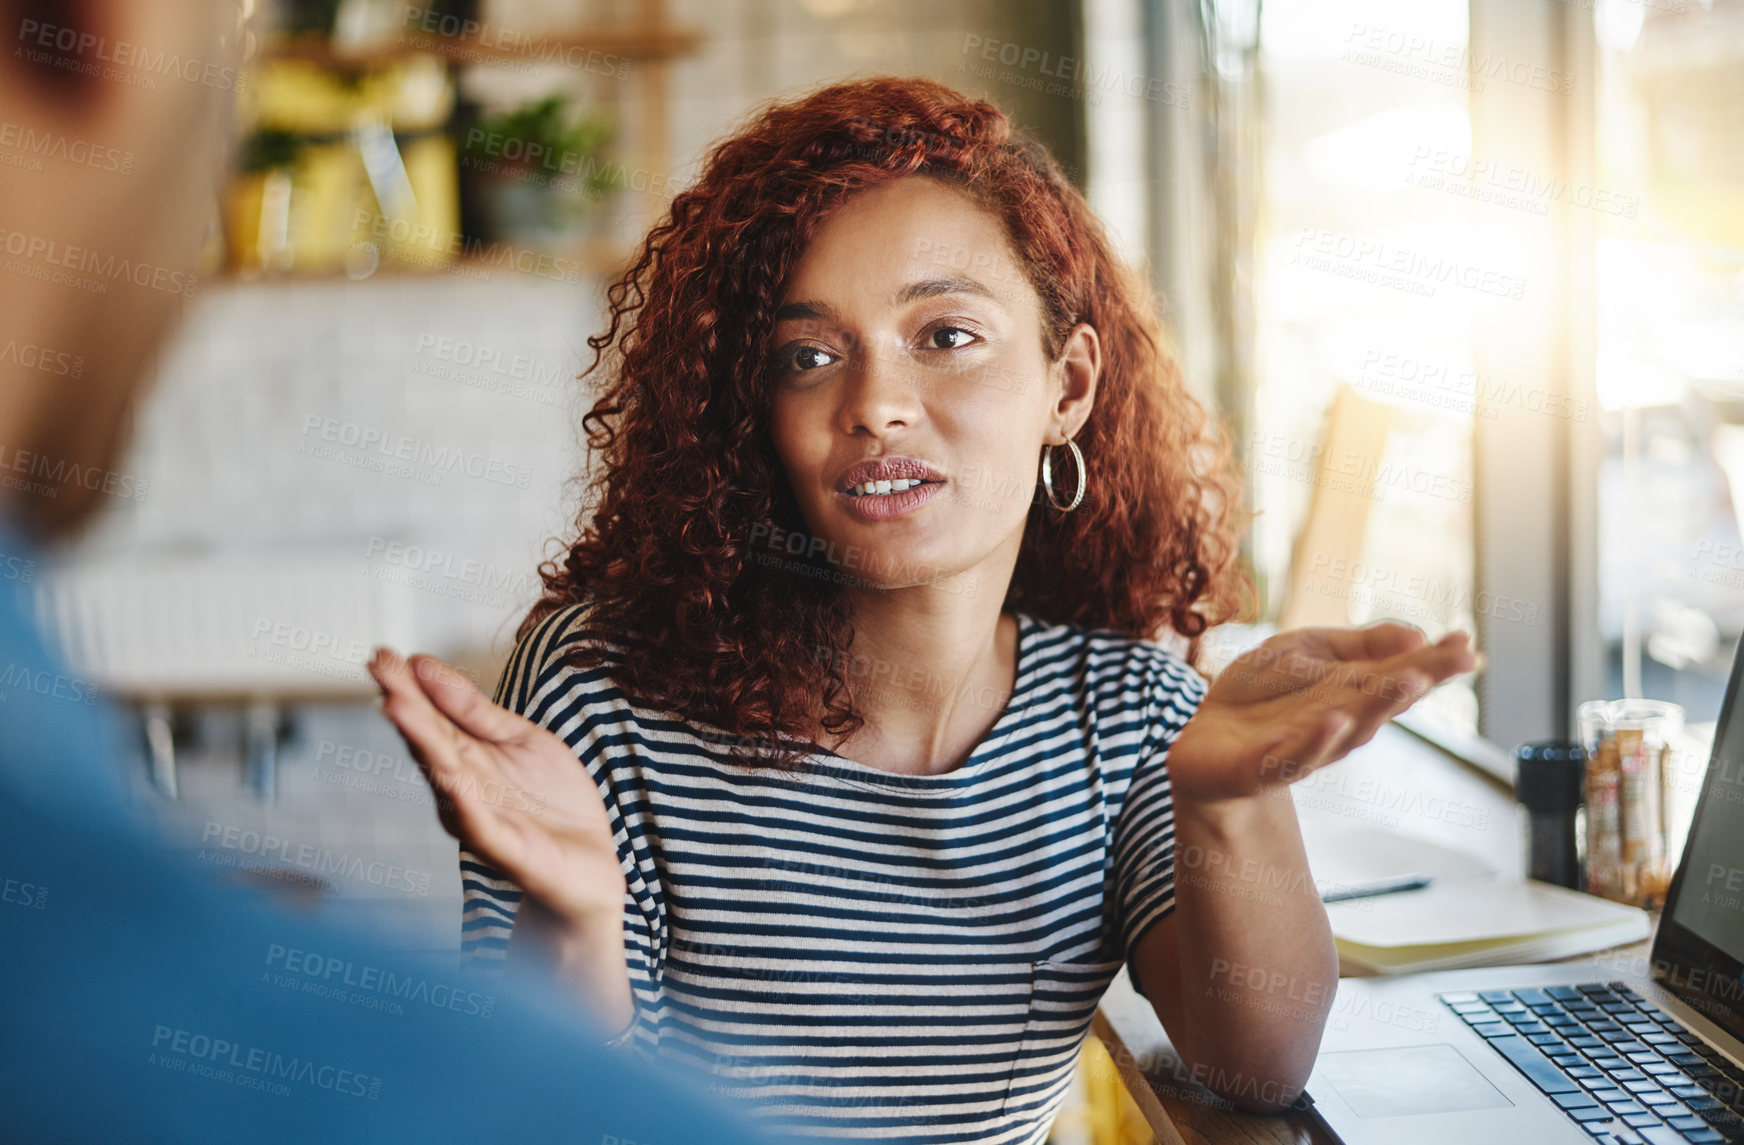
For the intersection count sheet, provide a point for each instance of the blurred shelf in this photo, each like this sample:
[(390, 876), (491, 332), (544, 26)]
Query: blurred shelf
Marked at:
[(634, 42), (604, 49), (581, 261)]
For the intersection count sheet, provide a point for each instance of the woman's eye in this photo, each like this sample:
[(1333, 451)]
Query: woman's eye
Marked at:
[(809, 358), (950, 338)]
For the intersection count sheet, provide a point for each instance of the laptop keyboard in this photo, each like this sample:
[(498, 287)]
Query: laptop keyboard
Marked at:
[(1626, 1070)]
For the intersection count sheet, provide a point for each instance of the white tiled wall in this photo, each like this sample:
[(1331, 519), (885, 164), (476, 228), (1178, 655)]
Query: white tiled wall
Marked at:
[(262, 375), (223, 446)]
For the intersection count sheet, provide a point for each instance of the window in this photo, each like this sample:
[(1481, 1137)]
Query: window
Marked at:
[(1668, 204), (1358, 439)]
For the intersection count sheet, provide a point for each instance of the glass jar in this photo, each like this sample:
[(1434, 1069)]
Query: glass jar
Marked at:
[(1627, 742)]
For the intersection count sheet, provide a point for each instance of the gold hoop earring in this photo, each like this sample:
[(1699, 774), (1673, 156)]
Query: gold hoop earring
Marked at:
[(1048, 476)]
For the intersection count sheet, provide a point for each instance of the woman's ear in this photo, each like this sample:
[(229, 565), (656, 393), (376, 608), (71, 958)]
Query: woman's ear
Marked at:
[(1080, 369)]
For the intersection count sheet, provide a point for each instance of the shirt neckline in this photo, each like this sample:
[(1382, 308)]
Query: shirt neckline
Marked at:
[(824, 761)]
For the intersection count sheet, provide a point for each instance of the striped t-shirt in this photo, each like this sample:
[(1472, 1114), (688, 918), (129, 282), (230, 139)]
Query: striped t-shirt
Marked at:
[(863, 954)]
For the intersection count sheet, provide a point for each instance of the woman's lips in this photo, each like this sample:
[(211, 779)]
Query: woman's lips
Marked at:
[(889, 506)]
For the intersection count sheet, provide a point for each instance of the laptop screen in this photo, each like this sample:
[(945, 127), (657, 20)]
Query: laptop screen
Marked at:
[(1699, 950)]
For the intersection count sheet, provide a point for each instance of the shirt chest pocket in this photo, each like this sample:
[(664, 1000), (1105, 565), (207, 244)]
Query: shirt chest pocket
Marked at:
[(1063, 999)]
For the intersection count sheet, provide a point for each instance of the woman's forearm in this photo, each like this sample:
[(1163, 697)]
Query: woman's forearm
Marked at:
[(1258, 964), (586, 956)]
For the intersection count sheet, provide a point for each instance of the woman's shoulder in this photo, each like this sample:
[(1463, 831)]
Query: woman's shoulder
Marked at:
[(1133, 693), (544, 649), (559, 627), (1136, 693), (1119, 664)]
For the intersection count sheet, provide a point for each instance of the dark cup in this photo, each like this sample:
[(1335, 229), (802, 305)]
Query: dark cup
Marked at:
[(1550, 786)]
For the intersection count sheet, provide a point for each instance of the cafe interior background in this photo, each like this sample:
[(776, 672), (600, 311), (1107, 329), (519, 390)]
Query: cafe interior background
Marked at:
[(1465, 278)]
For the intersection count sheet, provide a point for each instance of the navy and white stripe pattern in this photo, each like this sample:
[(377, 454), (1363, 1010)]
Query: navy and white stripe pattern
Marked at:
[(861, 954)]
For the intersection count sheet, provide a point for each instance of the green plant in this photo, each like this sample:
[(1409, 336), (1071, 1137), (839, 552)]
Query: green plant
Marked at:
[(546, 136), (308, 17), (269, 148)]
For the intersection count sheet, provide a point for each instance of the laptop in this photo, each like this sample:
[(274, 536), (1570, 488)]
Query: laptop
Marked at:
[(1620, 1051)]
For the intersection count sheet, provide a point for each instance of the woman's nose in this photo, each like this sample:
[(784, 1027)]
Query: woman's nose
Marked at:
[(883, 392)]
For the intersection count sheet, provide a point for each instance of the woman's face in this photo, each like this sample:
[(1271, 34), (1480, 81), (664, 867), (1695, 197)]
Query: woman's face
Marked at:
[(909, 336)]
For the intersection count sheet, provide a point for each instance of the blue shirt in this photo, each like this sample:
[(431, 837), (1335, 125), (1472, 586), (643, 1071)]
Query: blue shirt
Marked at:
[(146, 1002)]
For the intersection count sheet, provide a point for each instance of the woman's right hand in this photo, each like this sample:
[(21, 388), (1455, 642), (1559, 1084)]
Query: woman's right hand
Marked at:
[(509, 790)]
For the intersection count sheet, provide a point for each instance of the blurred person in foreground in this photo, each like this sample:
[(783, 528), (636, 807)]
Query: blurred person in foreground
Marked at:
[(145, 1001)]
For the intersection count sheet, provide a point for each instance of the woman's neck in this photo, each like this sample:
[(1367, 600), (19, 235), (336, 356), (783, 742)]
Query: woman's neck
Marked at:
[(931, 672)]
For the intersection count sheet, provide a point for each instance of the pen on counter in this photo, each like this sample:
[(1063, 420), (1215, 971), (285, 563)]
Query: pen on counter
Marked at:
[(1369, 890)]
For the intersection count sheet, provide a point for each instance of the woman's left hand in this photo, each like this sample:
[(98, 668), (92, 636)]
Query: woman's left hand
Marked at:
[(1302, 700)]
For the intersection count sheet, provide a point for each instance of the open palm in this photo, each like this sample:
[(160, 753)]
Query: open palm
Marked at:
[(1303, 700), (505, 787)]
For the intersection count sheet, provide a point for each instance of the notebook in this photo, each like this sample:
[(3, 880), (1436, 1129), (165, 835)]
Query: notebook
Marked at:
[(1468, 915)]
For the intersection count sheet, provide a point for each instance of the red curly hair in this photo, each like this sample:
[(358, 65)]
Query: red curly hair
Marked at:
[(749, 651)]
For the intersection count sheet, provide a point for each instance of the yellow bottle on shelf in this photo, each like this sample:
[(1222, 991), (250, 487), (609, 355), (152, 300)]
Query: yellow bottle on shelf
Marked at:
[(360, 174)]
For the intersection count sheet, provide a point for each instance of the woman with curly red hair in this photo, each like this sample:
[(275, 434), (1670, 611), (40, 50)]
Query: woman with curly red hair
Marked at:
[(885, 768)]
